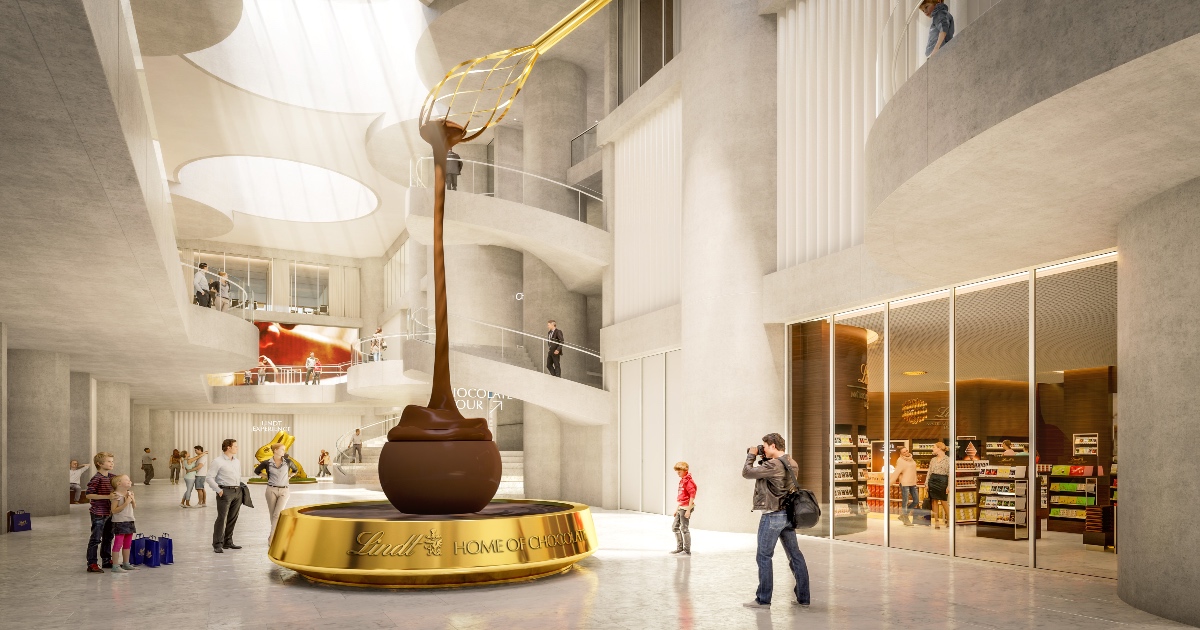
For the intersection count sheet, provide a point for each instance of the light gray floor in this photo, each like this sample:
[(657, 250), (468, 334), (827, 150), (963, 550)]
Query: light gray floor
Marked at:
[(631, 582)]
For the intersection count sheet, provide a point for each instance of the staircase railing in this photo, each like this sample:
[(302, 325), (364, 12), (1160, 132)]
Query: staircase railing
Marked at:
[(479, 178), (513, 347), (243, 304), (369, 349), (341, 446)]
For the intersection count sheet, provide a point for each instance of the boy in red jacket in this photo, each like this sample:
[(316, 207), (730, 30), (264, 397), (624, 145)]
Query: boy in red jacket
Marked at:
[(683, 512)]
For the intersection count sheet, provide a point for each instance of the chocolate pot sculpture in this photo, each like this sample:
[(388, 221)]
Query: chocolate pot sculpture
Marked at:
[(436, 461)]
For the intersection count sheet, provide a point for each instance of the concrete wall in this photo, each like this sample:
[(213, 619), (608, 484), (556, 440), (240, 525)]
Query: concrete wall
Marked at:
[(83, 417), (3, 419), (112, 422), (39, 431), (543, 459), (1158, 349), (162, 440)]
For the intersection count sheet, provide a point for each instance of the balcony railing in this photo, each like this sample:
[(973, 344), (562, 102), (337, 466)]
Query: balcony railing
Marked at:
[(241, 302), (583, 145)]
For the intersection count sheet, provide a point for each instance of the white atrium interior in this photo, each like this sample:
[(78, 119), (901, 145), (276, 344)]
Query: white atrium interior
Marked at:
[(933, 254)]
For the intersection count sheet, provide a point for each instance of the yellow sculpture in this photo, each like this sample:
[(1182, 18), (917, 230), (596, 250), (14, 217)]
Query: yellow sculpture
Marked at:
[(264, 452), (510, 67)]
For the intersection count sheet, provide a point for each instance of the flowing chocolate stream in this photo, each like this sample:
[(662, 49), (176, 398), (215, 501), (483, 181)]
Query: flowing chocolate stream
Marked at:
[(440, 420)]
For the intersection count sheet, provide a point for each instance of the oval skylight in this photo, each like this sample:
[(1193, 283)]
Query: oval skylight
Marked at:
[(275, 189), (336, 56)]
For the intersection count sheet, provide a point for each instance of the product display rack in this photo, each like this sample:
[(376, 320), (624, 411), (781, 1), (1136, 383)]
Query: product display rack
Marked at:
[(995, 445), (1003, 505), (966, 490), (1072, 490), (851, 457)]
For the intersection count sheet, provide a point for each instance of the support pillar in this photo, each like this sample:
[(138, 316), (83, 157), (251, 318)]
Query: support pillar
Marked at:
[(39, 431), (162, 440), (112, 423), (732, 363), (3, 421), (139, 438), (1158, 346), (555, 104), (83, 418), (543, 457)]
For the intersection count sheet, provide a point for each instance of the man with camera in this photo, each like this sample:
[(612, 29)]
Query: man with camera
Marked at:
[(774, 476)]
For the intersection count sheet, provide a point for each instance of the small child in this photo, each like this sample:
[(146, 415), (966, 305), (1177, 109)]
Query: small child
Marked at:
[(122, 518), (100, 493), (686, 500)]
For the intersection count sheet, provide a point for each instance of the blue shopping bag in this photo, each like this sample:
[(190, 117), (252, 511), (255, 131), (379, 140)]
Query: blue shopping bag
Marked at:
[(19, 521), (137, 550), (166, 549), (150, 557)]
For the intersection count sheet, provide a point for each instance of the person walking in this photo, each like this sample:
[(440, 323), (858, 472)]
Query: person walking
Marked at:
[(904, 474), (323, 462), (310, 364), (200, 285), (189, 465), (222, 286), (941, 29), (454, 165), (554, 349), (356, 446), (122, 506), (100, 493), (77, 480), (774, 477), (686, 502), (938, 484), (201, 459), (148, 465), (173, 466), (224, 477), (279, 469)]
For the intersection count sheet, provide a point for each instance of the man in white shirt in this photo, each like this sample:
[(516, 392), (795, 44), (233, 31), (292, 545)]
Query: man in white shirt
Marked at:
[(201, 473), (76, 480), (309, 365), (200, 285), (225, 478), (356, 445)]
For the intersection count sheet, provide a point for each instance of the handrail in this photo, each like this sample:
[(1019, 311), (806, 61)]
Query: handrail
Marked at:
[(247, 296), (361, 353), (343, 452), (289, 374), (416, 178), (539, 338), (594, 125)]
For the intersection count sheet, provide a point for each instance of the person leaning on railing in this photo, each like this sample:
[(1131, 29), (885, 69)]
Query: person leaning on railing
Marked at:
[(941, 29), (200, 286)]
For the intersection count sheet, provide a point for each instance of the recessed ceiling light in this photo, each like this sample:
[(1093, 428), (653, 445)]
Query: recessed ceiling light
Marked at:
[(915, 373)]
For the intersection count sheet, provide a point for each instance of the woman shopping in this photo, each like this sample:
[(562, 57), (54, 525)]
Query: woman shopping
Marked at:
[(938, 484)]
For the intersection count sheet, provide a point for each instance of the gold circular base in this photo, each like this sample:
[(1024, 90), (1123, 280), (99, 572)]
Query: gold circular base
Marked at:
[(260, 480), (370, 544)]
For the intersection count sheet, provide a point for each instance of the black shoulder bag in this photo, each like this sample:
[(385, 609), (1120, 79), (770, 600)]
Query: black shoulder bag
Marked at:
[(802, 508)]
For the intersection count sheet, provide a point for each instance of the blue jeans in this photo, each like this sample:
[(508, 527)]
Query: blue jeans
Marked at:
[(101, 538), (909, 501), (189, 485), (773, 527)]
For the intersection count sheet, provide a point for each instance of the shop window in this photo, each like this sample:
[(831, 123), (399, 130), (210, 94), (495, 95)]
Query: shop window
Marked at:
[(1076, 355), (919, 422), (648, 38), (858, 425), (991, 380), (809, 440), (252, 274), (310, 288)]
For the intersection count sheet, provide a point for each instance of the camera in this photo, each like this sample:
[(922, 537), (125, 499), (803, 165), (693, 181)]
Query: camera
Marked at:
[(761, 452)]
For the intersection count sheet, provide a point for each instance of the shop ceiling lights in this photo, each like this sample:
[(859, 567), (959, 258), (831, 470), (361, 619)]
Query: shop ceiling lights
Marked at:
[(915, 373)]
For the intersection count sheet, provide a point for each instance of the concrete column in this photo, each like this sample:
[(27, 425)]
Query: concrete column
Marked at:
[(582, 466), (39, 431), (510, 153), (731, 365), (370, 295), (112, 422), (546, 297), (555, 111), (3, 421), (139, 438), (162, 440), (482, 282), (1158, 347), (543, 459), (83, 417)]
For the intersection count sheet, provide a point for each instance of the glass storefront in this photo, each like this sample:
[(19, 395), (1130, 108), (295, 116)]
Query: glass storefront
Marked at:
[(1015, 463)]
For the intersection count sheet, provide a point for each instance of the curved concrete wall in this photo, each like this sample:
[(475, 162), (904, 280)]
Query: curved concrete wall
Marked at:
[(1158, 350), (1019, 144)]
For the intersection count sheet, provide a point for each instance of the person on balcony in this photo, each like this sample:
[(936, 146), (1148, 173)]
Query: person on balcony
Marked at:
[(454, 166), (554, 350), (378, 345), (310, 365), (200, 285), (222, 287), (941, 30)]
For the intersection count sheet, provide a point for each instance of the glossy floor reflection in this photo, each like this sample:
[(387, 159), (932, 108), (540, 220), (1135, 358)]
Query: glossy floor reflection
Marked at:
[(630, 583)]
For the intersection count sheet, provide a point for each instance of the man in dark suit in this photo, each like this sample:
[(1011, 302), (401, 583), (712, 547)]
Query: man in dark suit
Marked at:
[(554, 349), (453, 168)]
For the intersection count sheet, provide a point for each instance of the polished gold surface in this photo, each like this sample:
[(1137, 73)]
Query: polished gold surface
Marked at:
[(380, 552), (477, 93)]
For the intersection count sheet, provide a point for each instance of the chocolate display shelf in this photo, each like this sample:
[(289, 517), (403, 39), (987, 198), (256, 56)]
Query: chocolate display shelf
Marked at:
[(851, 494)]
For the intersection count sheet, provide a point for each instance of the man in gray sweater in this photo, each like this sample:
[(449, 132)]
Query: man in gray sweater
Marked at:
[(771, 483)]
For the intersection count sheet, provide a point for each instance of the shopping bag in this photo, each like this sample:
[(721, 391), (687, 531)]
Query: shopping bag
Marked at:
[(137, 550), (150, 556), (19, 521), (166, 549)]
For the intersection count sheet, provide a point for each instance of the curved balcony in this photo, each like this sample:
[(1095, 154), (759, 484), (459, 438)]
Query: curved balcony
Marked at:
[(573, 248), (1011, 147)]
